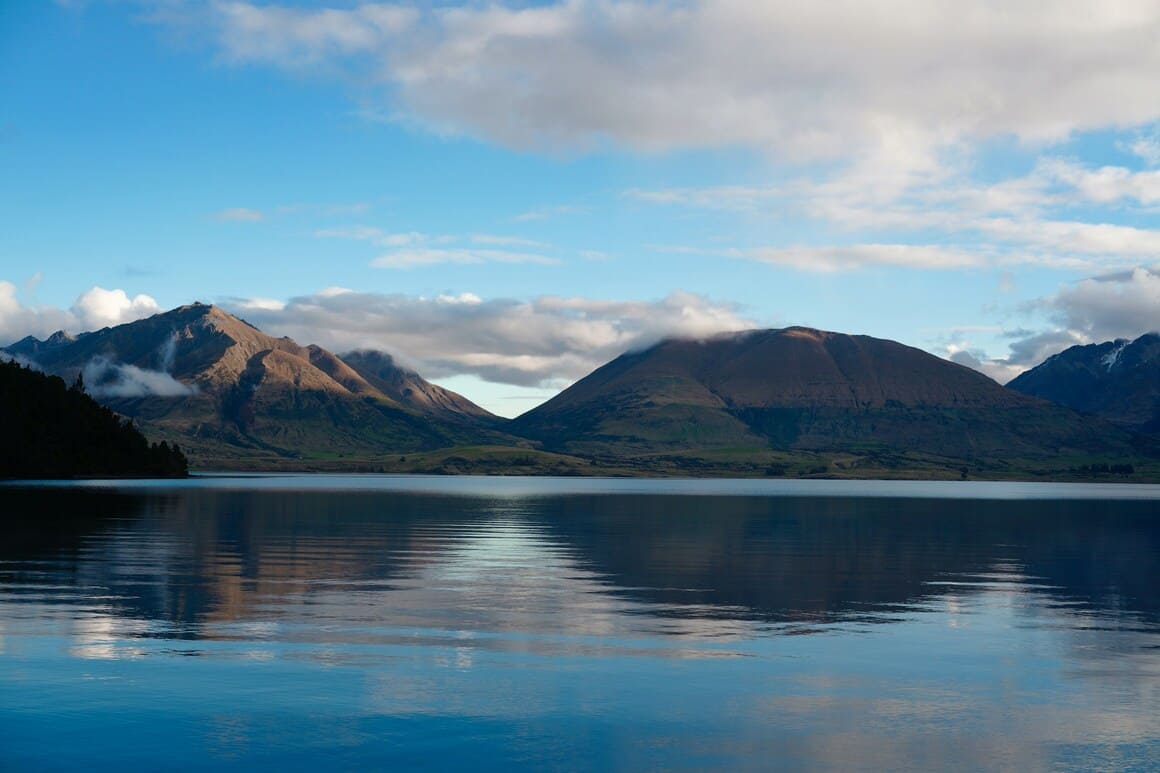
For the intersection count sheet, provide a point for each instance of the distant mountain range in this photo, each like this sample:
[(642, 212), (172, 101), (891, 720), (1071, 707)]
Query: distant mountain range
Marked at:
[(232, 394), (1117, 380), (796, 401)]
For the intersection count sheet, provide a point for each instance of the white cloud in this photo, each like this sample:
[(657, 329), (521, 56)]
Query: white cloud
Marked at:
[(471, 298), (336, 209), (1027, 351), (19, 360), (18, 320), (899, 93), (411, 238), (1147, 147), (95, 308), (295, 38), (239, 215), (265, 304), (1065, 239), (1107, 184), (426, 256), (357, 232), (505, 241), (740, 198), (549, 340), (830, 259), (1093, 310), (869, 194), (104, 378), (404, 239), (845, 257), (98, 307), (547, 212), (976, 359), (1124, 305), (957, 347), (1009, 222), (835, 79)]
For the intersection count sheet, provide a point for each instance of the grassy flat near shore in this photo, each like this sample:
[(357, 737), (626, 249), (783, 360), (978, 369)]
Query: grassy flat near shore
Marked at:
[(729, 463)]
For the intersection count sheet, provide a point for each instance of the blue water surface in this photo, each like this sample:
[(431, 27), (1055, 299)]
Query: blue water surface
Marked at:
[(354, 622)]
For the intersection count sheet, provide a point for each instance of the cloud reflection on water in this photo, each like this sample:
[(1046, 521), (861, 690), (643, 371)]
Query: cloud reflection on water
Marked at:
[(1013, 633)]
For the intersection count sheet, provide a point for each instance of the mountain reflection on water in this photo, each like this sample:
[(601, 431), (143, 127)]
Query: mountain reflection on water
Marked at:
[(1030, 626)]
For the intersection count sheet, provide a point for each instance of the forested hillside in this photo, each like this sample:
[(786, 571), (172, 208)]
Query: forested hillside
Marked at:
[(51, 430)]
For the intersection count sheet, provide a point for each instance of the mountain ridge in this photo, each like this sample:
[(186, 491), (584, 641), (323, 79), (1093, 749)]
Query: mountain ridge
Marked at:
[(794, 400), (1116, 380), (223, 386), (800, 388)]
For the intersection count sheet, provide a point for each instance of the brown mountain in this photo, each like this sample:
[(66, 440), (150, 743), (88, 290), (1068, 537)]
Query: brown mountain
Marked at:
[(800, 389), (406, 386), (1116, 380), (227, 391)]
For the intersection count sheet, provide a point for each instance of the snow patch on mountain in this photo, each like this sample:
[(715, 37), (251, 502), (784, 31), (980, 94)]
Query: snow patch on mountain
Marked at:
[(1110, 359)]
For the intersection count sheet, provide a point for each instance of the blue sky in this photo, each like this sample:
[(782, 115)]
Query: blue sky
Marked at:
[(506, 196)]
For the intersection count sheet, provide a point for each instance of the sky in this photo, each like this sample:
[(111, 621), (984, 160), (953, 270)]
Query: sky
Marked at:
[(507, 195)]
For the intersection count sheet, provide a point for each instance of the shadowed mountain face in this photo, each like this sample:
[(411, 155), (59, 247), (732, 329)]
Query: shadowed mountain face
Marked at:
[(1117, 380), (806, 389), (406, 386), (226, 390)]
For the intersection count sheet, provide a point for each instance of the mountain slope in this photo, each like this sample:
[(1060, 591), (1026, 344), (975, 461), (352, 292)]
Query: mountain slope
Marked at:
[(804, 389), (406, 386), (230, 392), (1116, 380)]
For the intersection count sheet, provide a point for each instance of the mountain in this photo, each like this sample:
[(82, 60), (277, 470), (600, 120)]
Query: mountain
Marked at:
[(1117, 380), (53, 431), (764, 402), (406, 386), (800, 389), (30, 348), (230, 393)]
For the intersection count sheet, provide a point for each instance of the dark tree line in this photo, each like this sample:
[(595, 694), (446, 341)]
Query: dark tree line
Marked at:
[(51, 430)]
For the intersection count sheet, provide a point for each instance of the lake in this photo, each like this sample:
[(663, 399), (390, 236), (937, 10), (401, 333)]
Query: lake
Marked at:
[(352, 622)]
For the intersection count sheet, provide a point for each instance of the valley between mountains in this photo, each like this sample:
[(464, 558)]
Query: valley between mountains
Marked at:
[(795, 402)]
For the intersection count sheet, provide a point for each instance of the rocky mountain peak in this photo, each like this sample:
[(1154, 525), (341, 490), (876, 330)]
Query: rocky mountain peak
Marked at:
[(1116, 380)]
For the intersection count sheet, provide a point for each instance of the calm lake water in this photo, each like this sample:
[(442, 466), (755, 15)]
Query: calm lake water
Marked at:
[(341, 622)]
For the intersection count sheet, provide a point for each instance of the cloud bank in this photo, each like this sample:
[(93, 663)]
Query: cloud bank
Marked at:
[(546, 341), (1122, 305), (93, 309), (883, 106), (1102, 308), (1054, 216), (801, 80)]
